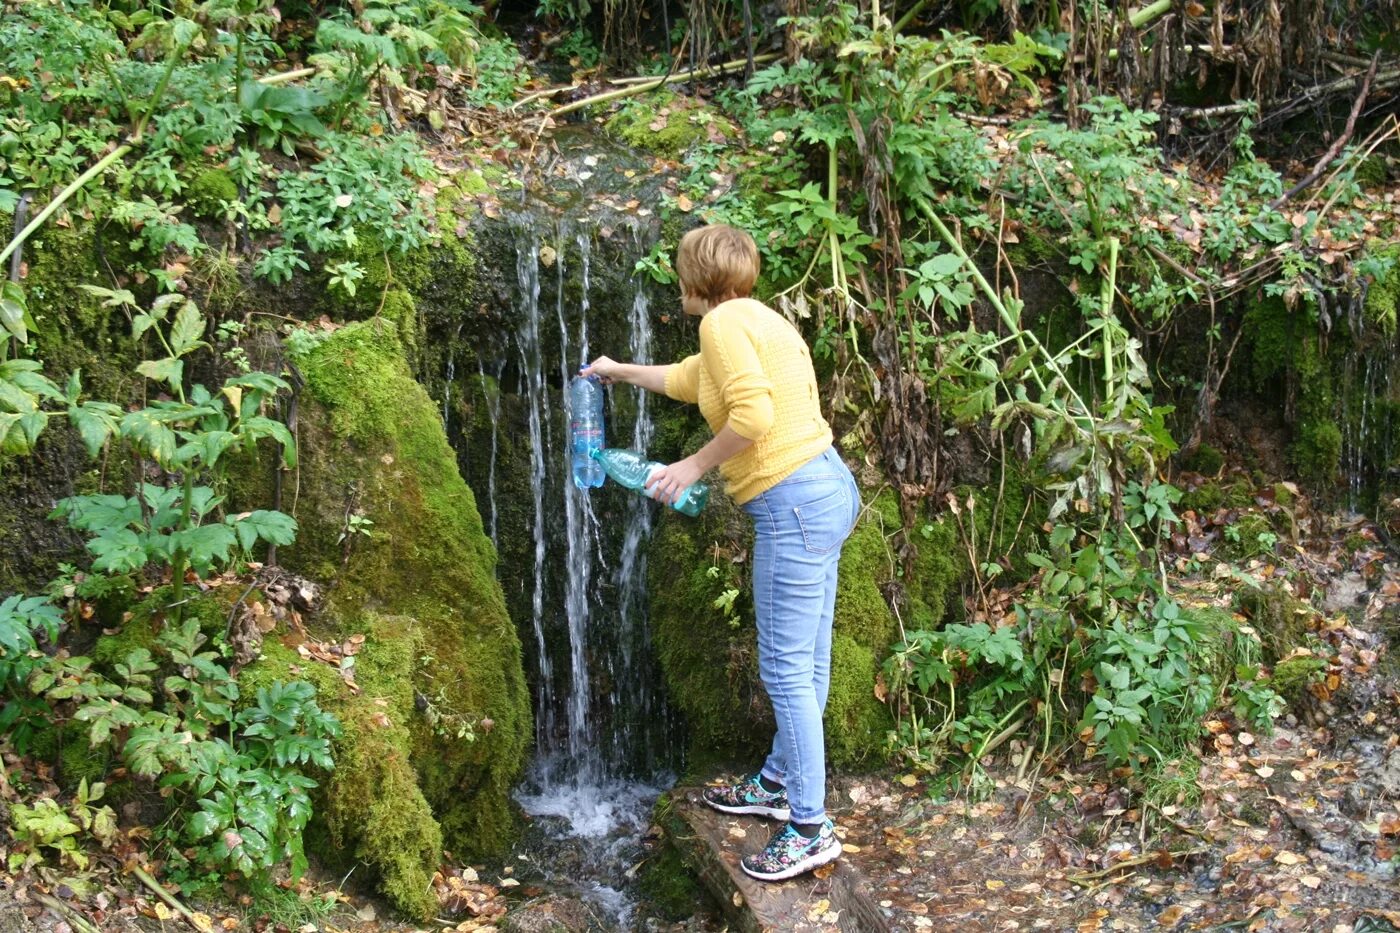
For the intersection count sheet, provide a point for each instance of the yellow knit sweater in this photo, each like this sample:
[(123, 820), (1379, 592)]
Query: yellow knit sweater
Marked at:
[(753, 372)]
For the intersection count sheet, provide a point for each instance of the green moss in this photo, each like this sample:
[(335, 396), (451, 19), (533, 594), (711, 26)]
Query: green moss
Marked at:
[(147, 617), (1292, 678), (1251, 535), (66, 748), (1316, 451), (398, 306), (78, 761), (1281, 619), (209, 189), (1205, 459), (372, 442), (1205, 499), (667, 124), (1370, 171), (668, 883), (472, 182), (371, 806), (1383, 294)]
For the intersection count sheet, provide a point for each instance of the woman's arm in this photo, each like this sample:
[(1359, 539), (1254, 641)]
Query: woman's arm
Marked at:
[(667, 483), (608, 371)]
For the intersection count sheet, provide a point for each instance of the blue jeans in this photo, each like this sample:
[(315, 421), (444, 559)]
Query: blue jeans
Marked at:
[(800, 525)]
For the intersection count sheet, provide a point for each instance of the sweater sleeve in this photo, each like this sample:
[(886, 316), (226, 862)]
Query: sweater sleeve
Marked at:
[(683, 380), (729, 351)]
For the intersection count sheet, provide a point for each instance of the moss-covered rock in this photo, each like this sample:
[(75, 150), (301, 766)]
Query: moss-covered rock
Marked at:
[(371, 806), (209, 191), (1204, 459), (144, 622), (1291, 678), (1317, 451), (668, 124), (1281, 619), (372, 443)]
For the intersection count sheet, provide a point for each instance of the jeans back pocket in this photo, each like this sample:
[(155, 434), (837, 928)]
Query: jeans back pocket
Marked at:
[(825, 522)]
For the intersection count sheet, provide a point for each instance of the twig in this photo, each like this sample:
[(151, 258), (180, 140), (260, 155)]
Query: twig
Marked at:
[(654, 83), (1182, 827), (1180, 269), (1341, 140), (702, 71), (1089, 877), (198, 921), (286, 76), (75, 920), (540, 95)]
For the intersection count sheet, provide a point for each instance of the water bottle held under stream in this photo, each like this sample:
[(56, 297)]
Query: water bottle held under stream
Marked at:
[(586, 430), (631, 469)]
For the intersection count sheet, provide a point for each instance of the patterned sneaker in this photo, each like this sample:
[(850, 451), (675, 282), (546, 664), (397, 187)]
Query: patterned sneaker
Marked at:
[(789, 853), (749, 797)]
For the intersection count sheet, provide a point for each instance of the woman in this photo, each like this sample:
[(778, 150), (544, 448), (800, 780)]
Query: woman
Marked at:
[(754, 383)]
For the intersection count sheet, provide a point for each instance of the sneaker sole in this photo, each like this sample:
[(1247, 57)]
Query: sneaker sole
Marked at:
[(773, 813), (816, 861)]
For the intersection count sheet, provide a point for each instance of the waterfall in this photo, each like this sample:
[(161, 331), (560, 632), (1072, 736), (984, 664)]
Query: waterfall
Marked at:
[(602, 725), (532, 377), (572, 563), (493, 409)]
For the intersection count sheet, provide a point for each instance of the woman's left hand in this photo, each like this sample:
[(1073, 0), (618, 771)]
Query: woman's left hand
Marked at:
[(667, 483)]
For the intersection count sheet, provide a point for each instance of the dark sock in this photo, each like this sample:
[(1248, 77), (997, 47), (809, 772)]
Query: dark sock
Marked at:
[(807, 830), (768, 785)]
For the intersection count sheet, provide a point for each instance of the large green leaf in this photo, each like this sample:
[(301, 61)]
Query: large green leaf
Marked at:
[(260, 427), (204, 545), (117, 550), (187, 329), (272, 527), (145, 430), (12, 311), (168, 370), (90, 513), (95, 422)]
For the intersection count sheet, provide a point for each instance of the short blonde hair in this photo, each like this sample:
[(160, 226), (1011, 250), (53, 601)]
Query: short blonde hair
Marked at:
[(717, 262)]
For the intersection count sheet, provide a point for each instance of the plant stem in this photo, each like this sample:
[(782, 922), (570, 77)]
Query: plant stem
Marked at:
[(652, 85), (1149, 13), (909, 15), (198, 921), (1106, 298), (181, 558), (103, 164)]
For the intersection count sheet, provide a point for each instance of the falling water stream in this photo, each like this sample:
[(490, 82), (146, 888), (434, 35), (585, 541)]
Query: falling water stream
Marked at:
[(604, 736)]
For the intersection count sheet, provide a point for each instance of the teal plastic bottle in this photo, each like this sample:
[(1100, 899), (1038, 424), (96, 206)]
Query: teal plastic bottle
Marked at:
[(631, 468)]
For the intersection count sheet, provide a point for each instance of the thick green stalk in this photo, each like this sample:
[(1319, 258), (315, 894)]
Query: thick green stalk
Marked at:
[(1110, 282), (1149, 13), (63, 196), (102, 164), (909, 15), (180, 558)]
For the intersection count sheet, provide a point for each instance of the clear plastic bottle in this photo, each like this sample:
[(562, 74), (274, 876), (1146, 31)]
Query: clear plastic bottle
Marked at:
[(631, 469), (586, 430)]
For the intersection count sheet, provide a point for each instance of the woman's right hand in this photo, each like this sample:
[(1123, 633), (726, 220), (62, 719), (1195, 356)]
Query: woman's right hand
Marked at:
[(606, 369)]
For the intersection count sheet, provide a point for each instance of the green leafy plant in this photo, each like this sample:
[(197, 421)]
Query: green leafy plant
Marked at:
[(187, 436), (49, 825), (346, 276), (23, 622), (243, 800)]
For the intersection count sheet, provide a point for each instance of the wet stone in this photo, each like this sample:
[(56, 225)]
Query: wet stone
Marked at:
[(553, 914)]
